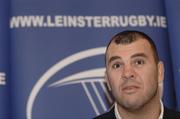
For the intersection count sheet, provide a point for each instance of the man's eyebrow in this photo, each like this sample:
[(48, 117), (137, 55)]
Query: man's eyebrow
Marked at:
[(139, 55), (113, 58), (133, 56)]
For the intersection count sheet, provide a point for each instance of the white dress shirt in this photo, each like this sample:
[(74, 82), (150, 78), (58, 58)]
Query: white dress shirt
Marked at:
[(118, 116)]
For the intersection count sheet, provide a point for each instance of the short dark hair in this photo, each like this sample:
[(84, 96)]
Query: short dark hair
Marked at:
[(130, 36)]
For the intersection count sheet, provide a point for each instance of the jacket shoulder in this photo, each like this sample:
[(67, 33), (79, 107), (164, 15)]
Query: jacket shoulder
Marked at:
[(171, 114), (107, 115)]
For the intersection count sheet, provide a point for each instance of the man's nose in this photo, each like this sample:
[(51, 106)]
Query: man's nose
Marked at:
[(128, 72)]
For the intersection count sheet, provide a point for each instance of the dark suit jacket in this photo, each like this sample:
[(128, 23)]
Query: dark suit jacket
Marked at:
[(168, 114)]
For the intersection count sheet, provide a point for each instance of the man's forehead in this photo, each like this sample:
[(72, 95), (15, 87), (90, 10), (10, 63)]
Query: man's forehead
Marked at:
[(136, 44), (139, 46)]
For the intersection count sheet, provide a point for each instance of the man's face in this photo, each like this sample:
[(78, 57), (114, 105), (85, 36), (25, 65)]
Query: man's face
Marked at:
[(132, 73)]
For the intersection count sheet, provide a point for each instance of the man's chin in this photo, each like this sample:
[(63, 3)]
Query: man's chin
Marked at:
[(132, 106)]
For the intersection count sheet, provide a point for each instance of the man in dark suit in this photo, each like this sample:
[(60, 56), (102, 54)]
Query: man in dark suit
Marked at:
[(134, 74)]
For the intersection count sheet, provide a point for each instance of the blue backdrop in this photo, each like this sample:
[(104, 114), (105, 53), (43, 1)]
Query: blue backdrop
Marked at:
[(174, 27), (4, 60), (55, 53)]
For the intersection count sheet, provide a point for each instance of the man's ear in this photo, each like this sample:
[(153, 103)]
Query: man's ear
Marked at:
[(160, 72), (107, 80), (160, 77)]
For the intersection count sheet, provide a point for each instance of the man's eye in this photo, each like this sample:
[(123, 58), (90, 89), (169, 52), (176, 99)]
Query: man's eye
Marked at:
[(139, 62), (115, 66)]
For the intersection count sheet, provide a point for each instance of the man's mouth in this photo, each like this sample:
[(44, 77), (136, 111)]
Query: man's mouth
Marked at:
[(130, 89)]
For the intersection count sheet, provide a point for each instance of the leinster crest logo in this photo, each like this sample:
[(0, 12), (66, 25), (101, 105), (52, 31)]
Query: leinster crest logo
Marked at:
[(75, 95)]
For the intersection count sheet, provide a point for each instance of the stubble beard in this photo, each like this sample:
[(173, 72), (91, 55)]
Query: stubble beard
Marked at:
[(140, 103)]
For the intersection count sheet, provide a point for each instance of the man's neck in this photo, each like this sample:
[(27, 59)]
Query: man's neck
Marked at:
[(150, 110)]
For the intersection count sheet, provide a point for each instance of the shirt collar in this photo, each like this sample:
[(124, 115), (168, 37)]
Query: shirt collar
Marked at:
[(118, 116)]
